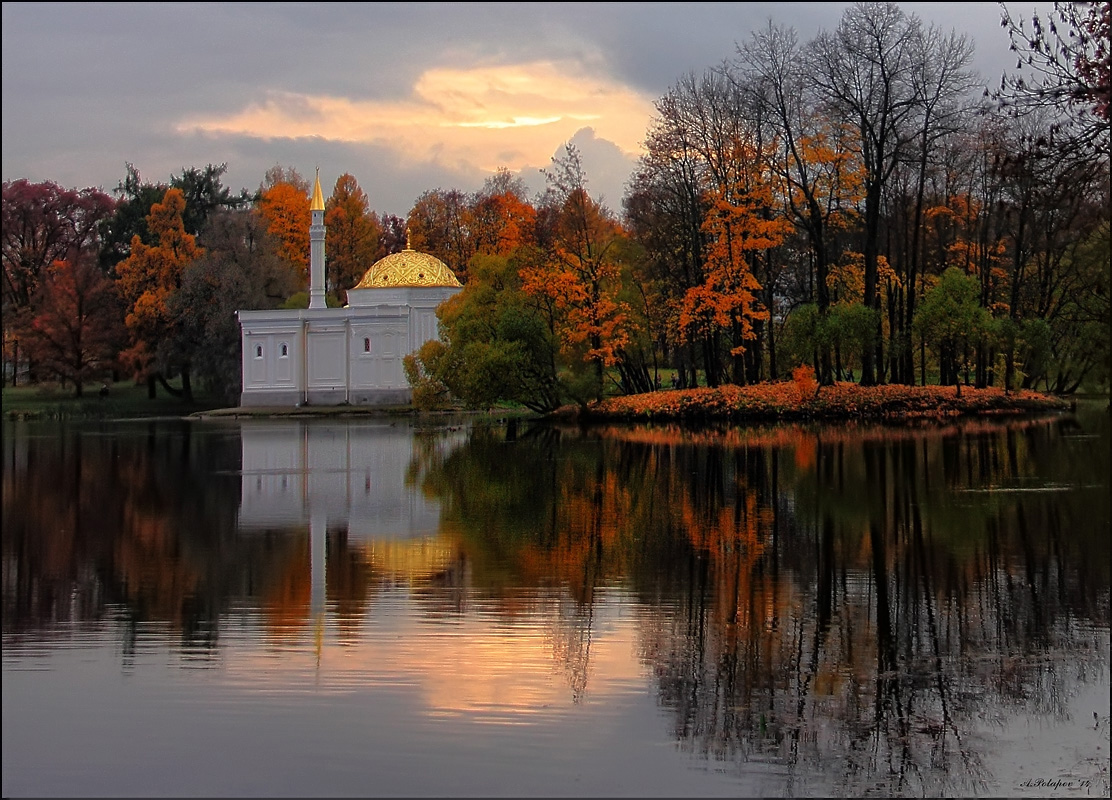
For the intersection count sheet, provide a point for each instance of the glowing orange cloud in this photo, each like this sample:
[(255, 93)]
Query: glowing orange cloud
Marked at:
[(484, 117)]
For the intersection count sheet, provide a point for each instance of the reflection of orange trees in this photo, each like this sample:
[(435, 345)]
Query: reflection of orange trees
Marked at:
[(581, 545), (726, 530), (155, 570), (734, 540), (540, 535), (155, 576), (589, 526), (47, 546), (869, 649), (802, 438), (121, 534), (354, 571), (286, 596)]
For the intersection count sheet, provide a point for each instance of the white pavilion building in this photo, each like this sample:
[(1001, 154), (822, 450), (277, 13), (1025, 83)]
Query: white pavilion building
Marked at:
[(351, 355)]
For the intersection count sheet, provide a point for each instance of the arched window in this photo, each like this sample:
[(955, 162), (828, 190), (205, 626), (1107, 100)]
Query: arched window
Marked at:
[(258, 351), (366, 344), (285, 350)]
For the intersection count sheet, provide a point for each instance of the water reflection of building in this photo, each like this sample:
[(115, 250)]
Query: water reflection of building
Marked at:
[(353, 476)]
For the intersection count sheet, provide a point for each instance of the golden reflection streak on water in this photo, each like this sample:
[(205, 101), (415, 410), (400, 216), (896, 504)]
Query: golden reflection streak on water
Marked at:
[(474, 665)]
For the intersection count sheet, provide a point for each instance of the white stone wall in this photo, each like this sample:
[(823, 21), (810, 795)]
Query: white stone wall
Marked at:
[(352, 355)]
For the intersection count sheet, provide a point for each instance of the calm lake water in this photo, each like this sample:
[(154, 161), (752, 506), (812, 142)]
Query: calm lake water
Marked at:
[(366, 607)]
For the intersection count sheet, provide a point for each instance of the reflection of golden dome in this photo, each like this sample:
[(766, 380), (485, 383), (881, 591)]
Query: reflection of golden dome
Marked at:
[(408, 268), (411, 558)]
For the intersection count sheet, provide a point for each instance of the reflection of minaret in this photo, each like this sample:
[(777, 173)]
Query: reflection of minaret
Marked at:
[(318, 556), (316, 248)]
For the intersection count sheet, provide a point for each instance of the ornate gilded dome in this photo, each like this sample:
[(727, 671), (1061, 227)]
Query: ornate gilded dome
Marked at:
[(408, 268)]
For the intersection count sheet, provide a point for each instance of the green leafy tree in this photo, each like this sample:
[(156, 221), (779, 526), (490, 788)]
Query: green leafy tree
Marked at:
[(205, 194), (847, 331), (421, 370), (951, 319), (497, 347), (850, 331)]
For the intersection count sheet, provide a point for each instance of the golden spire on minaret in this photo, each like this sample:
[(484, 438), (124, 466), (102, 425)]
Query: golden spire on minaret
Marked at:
[(318, 197), (408, 246)]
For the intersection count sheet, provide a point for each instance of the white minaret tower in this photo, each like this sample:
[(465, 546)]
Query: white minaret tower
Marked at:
[(316, 247)]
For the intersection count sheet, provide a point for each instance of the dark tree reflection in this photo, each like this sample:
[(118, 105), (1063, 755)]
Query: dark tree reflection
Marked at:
[(848, 603)]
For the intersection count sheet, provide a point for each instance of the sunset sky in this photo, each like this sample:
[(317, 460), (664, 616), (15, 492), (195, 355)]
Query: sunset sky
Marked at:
[(407, 97)]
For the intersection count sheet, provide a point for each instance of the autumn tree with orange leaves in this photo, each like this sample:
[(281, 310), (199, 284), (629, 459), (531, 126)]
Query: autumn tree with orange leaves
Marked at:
[(740, 226), (501, 220), (285, 207), (147, 280), (726, 301), (579, 281), (497, 344), (353, 241)]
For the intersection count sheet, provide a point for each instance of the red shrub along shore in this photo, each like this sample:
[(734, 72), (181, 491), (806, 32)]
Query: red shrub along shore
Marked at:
[(800, 400)]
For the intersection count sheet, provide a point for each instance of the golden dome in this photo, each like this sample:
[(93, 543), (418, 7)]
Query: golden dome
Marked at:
[(408, 268)]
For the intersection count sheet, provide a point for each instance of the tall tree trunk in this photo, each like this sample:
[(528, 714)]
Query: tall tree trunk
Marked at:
[(872, 356)]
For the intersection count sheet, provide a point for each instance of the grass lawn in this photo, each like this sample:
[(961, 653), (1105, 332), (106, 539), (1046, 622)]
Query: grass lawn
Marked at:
[(124, 400)]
